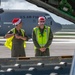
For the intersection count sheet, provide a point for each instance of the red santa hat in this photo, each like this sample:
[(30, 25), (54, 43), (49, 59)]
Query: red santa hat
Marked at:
[(16, 21), (41, 18)]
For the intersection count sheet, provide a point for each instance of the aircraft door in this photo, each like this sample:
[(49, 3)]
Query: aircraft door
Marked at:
[(4, 27), (1, 27)]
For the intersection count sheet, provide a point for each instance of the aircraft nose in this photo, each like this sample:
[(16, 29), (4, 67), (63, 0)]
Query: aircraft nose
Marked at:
[(57, 27)]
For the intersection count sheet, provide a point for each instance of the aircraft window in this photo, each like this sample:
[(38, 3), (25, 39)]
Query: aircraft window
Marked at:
[(29, 16), (0, 26), (23, 16), (33, 16), (26, 16), (20, 16), (47, 14), (36, 16)]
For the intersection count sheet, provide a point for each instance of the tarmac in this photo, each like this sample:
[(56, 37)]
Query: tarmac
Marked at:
[(59, 47)]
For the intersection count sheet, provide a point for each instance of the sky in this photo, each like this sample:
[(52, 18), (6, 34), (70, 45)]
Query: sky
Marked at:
[(22, 4)]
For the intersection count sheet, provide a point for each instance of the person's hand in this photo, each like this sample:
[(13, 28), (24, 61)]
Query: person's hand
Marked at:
[(20, 37), (17, 37), (42, 49), (23, 38)]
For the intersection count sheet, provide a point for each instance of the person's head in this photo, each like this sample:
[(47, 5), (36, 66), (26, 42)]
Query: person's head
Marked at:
[(17, 22), (41, 21)]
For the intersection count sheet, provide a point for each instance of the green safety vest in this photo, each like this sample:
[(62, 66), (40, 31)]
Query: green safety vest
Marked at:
[(8, 42), (42, 40)]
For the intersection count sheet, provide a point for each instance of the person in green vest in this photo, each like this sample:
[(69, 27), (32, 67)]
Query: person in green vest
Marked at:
[(16, 38), (42, 38)]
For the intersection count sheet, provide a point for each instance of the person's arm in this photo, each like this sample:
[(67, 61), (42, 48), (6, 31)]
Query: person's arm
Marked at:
[(25, 37), (35, 40), (49, 39), (9, 34)]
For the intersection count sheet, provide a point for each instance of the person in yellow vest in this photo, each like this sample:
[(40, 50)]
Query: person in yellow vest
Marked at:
[(42, 38), (16, 38)]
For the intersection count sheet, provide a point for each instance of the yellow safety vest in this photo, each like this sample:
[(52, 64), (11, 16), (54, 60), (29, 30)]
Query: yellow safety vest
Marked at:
[(8, 42), (42, 40)]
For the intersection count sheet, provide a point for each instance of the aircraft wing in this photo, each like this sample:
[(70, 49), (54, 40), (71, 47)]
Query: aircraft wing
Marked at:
[(52, 9)]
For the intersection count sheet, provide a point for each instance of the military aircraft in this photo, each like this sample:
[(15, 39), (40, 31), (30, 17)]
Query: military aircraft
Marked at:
[(29, 18)]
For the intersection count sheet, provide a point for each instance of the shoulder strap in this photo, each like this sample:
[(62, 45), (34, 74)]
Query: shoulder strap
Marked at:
[(13, 30), (22, 30)]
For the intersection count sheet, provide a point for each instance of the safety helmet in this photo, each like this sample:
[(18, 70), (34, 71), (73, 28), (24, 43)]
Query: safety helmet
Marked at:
[(41, 20)]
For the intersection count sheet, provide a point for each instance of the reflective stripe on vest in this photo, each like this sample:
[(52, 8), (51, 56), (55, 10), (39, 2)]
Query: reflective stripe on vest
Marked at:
[(8, 42), (42, 39)]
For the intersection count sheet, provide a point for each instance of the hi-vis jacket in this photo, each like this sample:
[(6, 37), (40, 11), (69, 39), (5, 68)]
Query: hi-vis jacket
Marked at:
[(8, 42), (42, 39)]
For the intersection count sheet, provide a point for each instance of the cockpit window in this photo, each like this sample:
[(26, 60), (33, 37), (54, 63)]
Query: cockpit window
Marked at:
[(47, 17)]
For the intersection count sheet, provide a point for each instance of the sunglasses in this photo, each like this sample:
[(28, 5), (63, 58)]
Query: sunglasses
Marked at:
[(42, 21)]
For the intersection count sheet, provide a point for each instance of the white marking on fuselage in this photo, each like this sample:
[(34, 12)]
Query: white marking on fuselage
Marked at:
[(7, 22)]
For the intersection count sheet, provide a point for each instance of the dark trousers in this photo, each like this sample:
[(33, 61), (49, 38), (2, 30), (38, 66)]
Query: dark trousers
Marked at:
[(18, 51), (39, 53)]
